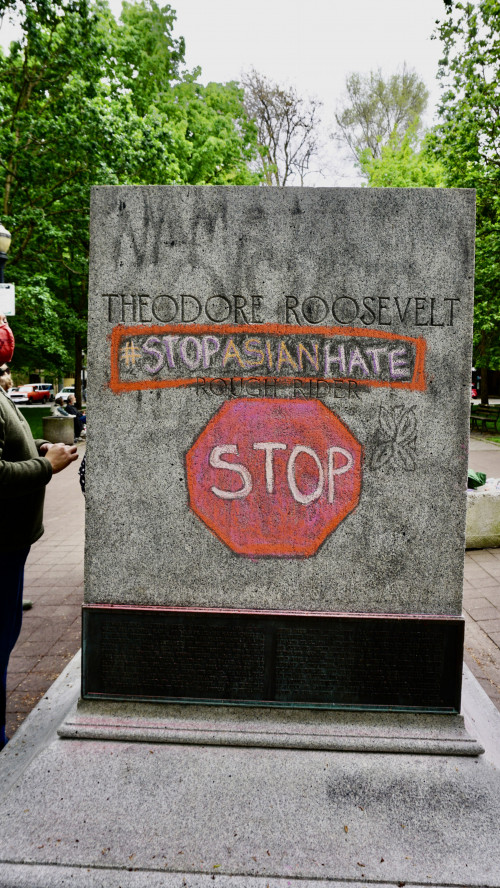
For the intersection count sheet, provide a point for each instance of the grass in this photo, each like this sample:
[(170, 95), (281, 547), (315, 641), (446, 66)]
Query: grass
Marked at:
[(33, 416)]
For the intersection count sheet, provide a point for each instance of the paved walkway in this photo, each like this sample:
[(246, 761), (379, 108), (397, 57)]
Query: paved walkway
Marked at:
[(482, 590), (54, 581)]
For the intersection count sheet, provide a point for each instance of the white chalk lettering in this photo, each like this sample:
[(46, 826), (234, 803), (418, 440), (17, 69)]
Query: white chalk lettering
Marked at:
[(149, 349), (269, 447), (374, 353), (397, 368), (217, 463), (356, 360), (340, 470), (210, 345), (335, 359), (192, 363), (168, 342), (290, 473)]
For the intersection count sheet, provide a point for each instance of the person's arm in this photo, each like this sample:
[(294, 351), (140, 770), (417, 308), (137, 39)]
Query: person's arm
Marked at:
[(39, 442), (21, 477)]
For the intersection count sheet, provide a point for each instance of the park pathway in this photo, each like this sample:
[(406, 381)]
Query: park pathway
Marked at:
[(482, 590), (51, 632)]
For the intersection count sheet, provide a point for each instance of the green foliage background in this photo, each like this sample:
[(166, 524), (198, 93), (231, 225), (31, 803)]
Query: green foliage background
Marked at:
[(467, 141), (403, 163), (86, 101), (461, 151)]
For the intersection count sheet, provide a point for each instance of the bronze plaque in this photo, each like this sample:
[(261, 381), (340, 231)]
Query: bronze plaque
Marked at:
[(335, 661)]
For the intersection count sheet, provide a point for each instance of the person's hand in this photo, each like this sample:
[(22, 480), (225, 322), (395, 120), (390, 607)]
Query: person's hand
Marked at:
[(59, 455)]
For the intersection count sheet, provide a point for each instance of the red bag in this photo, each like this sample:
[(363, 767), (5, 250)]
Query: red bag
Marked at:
[(7, 343)]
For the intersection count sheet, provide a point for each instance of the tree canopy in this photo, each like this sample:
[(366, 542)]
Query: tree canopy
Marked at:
[(406, 163), (86, 100), (377, 111), (467, 141), (287, 129)]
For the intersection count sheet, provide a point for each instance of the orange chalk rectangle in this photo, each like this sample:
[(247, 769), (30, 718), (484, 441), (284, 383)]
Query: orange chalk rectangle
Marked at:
[(175, 355)]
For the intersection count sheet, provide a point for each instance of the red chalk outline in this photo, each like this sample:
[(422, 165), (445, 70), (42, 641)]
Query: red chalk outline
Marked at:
[(120, 332)]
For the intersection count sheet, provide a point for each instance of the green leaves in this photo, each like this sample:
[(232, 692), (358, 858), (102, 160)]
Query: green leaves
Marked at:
[(467, 142), (38, 327), (85, 100), (403, 164), (148, 58), (377, 112)]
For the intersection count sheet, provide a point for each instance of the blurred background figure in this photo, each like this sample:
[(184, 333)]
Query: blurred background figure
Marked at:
[(80, 417)]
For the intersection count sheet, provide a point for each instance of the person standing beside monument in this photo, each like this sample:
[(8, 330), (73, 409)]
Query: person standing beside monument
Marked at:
[(26, 467), (6, 383)]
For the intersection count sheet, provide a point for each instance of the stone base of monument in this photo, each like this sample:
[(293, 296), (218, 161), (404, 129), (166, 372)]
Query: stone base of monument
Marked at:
[(288, 680), (483, 519), (120, 814), (414, 733)]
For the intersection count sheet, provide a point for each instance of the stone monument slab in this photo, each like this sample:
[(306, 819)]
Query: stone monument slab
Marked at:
[(277, 453)]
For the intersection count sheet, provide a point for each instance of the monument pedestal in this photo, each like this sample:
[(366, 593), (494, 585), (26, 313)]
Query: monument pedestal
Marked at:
[(121, 814), (210, 725)]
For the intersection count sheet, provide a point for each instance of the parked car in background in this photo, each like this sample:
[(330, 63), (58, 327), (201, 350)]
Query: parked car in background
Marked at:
[(16, 395), (32, 393), (67, 390)]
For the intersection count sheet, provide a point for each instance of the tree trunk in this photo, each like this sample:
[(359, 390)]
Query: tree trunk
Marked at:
[(484, 386), (483, 371), (78, 370)]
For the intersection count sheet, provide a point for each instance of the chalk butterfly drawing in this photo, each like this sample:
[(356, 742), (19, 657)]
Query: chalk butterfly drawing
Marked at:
[(396, 439)]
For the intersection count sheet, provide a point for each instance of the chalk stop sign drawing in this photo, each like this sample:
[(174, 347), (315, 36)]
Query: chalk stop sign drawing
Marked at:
[(274, 477)]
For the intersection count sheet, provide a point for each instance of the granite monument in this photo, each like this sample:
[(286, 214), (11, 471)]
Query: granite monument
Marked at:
[(278, 408)]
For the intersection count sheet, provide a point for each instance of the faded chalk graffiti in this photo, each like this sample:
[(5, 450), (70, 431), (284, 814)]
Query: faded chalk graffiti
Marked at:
[(395, 441)]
